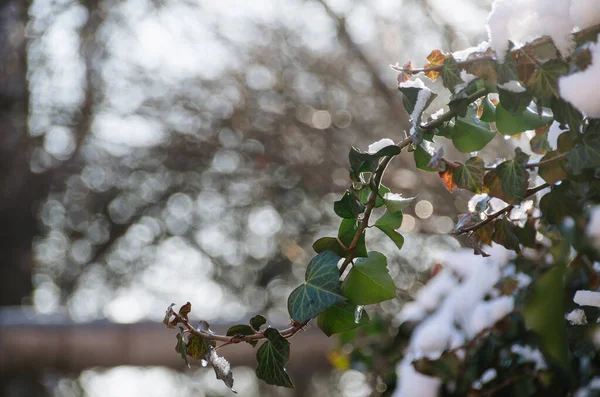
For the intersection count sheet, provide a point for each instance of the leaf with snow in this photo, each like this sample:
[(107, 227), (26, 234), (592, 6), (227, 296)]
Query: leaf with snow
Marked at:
[(169, 319), (437, 160), (395, 202), (221, 366), (272, 357), (368, 162), (470, 175), (514, 97), (416, 97)]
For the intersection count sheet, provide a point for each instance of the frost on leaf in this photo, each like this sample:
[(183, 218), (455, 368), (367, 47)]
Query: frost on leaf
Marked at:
[(169, 319), (221, 366)]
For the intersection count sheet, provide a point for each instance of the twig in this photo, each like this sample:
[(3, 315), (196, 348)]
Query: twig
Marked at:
[(548, 161), (484, 222), (528, 193), (228, 340), (449, 115), (536, 43), (364, 223)]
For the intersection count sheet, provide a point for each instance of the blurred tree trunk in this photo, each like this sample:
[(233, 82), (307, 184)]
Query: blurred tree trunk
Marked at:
[(20, 188)]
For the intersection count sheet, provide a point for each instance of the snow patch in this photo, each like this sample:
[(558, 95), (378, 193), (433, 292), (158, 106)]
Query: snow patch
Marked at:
[(581, 89), (377, 146), (587, 298), (512, 86), (577, 317), (530, 354)]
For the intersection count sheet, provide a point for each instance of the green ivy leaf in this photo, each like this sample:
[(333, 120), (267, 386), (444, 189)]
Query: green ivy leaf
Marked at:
[(544, 314), (197, 347), (514, 103), (346, 233), (388, 223), (365, 191), (543, 84), (470, 175), (450, 73), (488, 113), (340, 318), (504, 234), (553, 172), (507, 70), (367, 162), (460, 102), (585, 154), (566, 115), (242, 329), (257, 321), (470, 133), (422, 159), (320, 291), (368, 281), (272, 357), (329, 244), (181, 347), (509, 180), (348, 206), (562, 201), (529, 119)]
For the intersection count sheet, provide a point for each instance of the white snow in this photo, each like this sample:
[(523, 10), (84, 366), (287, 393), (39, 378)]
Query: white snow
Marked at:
[(416, 83), (413, 383), (488, 376), (521, 21), (461, 301), (584, 13), (422, 99), (581, 89), (577, 317), (512, 86), (377, 146), (587, 298), (530, 354)]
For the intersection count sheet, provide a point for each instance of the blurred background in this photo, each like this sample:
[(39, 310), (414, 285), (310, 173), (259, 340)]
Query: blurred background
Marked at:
[(158, 151)]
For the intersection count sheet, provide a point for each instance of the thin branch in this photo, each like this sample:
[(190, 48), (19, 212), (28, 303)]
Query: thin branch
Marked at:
[(364, 223), (528, 193), (228, 340), (449, 115), (546, 162), (536, 43), (484, 222)]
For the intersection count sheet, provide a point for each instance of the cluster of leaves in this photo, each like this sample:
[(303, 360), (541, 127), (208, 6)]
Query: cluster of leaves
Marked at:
[(501, 98)]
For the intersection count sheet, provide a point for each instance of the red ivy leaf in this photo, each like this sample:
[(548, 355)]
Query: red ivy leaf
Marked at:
[(448, 178)]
